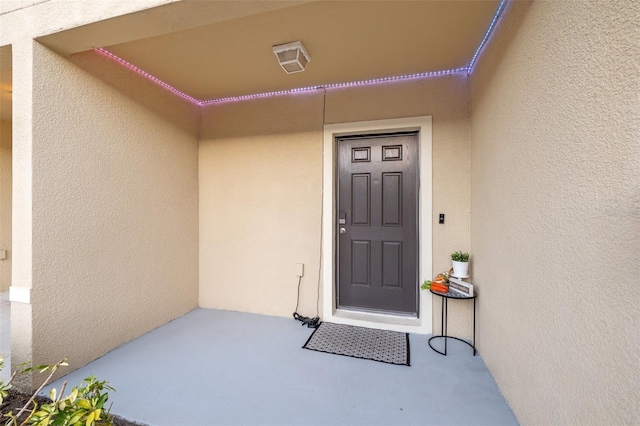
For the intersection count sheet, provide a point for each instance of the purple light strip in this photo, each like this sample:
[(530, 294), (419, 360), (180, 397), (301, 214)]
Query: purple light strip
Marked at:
[(147, 75), (261, 95), (501, 8), (336, 86), (468, 69)]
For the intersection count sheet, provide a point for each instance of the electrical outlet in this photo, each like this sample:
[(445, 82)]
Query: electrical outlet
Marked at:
[(299, 269)]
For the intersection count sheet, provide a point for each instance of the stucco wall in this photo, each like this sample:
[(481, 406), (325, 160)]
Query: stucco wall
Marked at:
[(261, 188), (172, 108), (20, 19), (22, 208), (5, 203), (555, 224), (115, 215), (10, 5)]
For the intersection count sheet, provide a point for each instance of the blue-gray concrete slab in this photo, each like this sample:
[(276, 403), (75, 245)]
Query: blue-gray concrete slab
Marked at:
[(214, 367)]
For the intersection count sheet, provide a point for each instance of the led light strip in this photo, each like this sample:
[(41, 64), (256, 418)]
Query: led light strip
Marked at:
[(336, 86), (501, 8), (147, 75), (468, 69)]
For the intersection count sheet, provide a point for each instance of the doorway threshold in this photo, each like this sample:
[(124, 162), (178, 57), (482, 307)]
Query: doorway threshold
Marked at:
[(400, 323)]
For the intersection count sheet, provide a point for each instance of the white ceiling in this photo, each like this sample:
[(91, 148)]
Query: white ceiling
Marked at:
[(212, 50), (347, 41)]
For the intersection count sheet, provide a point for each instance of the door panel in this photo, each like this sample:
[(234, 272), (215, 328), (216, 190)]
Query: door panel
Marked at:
[(361, 199), (377, 247), (361, 261), (392, 199), (391, 264)]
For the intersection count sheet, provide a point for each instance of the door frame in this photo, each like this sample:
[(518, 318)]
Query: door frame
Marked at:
[(423, 125)]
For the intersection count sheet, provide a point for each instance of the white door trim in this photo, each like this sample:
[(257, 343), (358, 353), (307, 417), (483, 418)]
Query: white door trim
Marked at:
[(422, 324)]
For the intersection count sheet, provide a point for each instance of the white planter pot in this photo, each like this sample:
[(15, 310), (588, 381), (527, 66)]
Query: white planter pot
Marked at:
[(460, 269)]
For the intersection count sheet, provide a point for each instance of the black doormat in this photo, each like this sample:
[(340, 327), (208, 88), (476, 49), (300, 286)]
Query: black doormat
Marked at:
[(360, 342)]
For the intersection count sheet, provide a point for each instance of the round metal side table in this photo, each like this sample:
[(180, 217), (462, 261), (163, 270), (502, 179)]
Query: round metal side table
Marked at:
[(443, 327)]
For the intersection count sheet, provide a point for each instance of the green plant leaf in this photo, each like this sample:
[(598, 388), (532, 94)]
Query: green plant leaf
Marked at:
[(103, 398), (459, 256), (90, 418), (76, 418), (83, 403), (73, 396)]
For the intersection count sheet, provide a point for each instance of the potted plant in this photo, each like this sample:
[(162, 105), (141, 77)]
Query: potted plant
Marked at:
[(460, 263)]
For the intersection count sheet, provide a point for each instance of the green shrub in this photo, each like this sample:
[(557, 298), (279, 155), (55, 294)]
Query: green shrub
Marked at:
[(85, 405)]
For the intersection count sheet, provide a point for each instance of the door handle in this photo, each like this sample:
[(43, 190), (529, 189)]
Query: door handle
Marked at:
[(343, 231)]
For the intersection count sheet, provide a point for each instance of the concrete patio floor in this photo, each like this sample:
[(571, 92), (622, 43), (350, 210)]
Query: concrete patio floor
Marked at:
[(213, 367)]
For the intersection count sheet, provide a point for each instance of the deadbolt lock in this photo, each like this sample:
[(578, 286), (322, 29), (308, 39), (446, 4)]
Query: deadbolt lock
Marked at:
[(342, 218)]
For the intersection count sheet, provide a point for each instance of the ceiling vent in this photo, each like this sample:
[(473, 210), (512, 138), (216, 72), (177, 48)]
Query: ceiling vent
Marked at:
[(292, 57)]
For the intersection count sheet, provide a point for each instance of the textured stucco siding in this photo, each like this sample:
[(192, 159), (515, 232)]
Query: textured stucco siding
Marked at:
[(260, 204), (7, 6), (172, 108), (261, 189), (114, 215), (555, 203), (21, 19), (5, 203)]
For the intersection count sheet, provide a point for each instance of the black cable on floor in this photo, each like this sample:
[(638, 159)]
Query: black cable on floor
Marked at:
[(309, 322)]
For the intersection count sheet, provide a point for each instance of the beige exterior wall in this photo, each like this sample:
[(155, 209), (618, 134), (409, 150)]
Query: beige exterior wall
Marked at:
[(114, 215), (11, 5), (555, 225), (160, 101), (261, 189), (260, 204), (20, 19), (5, 203)]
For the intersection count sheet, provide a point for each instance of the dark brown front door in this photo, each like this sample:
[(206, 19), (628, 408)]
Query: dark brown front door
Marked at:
[(377, 223)]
